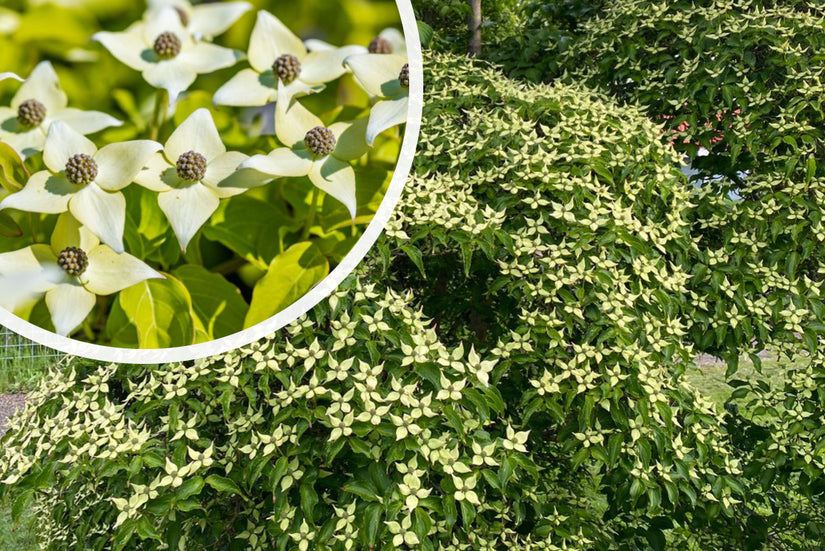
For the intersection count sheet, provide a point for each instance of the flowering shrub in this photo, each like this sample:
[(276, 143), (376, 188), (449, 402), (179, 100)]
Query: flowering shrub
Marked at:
[(187, 235), (539, 407), (741, 80)]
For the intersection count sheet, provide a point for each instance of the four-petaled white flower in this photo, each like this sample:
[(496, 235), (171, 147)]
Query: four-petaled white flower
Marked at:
[(71, 272), (387, 78), (388, 41), (193, 173), (280, 60), (205, 21), (37, 104), (165, 52), (314, 150), (85, 181)]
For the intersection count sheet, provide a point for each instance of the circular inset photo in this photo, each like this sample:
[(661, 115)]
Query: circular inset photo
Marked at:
[(182, 178)]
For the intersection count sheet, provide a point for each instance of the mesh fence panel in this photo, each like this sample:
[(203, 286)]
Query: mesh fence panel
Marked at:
[(23, 362)]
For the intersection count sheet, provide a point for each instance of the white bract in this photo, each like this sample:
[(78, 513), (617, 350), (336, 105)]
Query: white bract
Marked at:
[(9, 21), (38, 103), (313, 150), (165, 52), (85, 181), (193, 173), (382, 76), (205, 21), (71, 272), (280, 60)]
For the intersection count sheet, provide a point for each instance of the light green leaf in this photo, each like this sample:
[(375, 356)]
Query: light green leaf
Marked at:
[(217, 303), (291, 275), (13, 174), (161, 310)]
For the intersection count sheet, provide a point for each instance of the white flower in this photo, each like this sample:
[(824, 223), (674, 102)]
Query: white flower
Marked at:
[(280, 60), (402, 533), (313, 150), (72, 271), (37, 104), (192, 175), (396, 39), (204, 21), (85, 181), (386, 77), (165, 52)]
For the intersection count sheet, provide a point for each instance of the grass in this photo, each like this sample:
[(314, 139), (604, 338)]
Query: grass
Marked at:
[(16, 536), (709, 377)]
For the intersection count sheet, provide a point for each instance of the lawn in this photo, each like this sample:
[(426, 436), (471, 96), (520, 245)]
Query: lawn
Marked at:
[(16, 537)]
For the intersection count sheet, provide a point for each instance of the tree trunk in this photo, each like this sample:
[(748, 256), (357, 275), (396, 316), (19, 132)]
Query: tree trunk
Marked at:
[(475, 28)]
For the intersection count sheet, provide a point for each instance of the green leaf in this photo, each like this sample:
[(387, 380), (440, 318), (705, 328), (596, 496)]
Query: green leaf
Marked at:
[(223, 484), (146, 531), (147, 229), (13, 174), (191, 487), (309, 499), (371, 522), (161, 311), (425, 32), (656, 539), (249, 227), (219, 304), (8, 227), (290, 276)]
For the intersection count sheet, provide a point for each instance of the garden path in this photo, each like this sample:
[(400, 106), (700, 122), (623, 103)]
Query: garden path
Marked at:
[(9, 404)]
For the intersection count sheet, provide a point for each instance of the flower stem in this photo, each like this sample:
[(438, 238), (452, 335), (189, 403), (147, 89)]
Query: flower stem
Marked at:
[(316, 198), (159, 115)]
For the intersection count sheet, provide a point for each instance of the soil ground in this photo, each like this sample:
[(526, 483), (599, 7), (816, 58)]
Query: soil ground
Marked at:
[(9, 404)]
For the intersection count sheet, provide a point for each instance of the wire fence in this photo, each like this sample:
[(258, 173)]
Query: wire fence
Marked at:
[(22, 362)]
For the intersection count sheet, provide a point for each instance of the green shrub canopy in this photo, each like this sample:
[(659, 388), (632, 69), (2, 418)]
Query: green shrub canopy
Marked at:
[(543, 410)]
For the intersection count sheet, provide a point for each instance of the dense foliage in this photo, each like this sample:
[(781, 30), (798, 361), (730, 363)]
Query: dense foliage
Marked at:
[(567, 388)]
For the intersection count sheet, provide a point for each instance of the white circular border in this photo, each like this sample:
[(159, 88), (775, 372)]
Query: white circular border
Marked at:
[(305, 303)]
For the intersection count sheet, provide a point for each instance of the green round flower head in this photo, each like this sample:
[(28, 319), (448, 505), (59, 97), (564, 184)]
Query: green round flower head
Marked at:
[(191, 166), (404, 77), (380, 45), (287, 67), (320, 141), (73, 260), (81, 169), (167, 45), (31, 113)]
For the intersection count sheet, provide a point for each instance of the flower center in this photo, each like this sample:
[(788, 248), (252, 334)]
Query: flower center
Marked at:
[(167, 45), (287, 67), (31, 113), (81, 169), (380, 45), (191, 166), (73, 260), (320, 141), (404, 77)]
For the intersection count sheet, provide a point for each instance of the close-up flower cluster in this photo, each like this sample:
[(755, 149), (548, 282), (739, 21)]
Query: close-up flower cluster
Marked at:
[(239, 180)]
